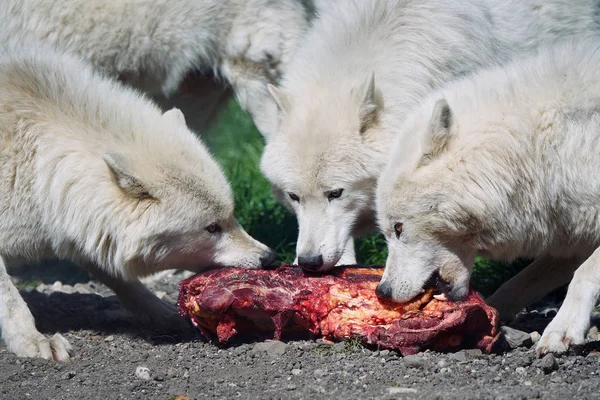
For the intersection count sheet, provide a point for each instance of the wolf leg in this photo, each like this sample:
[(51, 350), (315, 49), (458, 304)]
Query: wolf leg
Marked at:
[(571, 323), (18, 326), (536, 280), (349, 256)]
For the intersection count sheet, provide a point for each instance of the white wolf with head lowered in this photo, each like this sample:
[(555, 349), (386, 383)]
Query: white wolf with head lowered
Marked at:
[(154, 44), (360, 69), (95, 173), (503, 164)]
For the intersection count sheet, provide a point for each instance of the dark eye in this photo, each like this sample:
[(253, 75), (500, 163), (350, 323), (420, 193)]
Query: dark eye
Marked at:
[(398, 229), (335, 194), (213, 228), (293, 196)]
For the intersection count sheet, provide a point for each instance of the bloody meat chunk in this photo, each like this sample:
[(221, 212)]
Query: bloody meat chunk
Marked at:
[(340, 305)]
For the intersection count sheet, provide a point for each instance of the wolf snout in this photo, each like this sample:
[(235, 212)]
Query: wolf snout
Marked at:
[(268, 259), (384, 290), (311, 263)]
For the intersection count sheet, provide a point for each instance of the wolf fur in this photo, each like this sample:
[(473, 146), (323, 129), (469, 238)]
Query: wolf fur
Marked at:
[(155, 44), (95, 173), (357, 73), (503, 164)]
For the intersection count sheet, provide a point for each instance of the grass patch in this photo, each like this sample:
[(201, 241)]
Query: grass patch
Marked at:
[(237, 145)]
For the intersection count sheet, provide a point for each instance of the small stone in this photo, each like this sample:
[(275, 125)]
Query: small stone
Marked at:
[(557, 379), (296, 371), (68, 375), (291, 387), (515, 338), (109, 338), (143, 373), (445, 371), (473, 352), (384, 353), (442, 363), (547, 363), (319, 372), (460, 356), (535, 337), (274, 348), (401, 390), (56, 286), (82, 288), (414, 361), (521, 370), (497, 378), (592, 334), (527, 383)]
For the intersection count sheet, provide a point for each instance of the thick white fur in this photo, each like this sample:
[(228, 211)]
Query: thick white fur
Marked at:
[(412, 47), (93, 172), (506, 165), (154, 44)]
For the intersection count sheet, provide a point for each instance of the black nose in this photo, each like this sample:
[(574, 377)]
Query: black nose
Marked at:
[(384, 290), (267, 260), (311, 263)]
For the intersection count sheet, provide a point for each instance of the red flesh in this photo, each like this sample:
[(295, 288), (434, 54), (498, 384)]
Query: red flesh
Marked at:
[(342, 305)]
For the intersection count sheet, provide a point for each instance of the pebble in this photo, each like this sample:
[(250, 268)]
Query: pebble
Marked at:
[(274, 348), (547, 363), (291, 387), (296, 371), (516, 338), (460, 356), (521, 371), (414, 361), (109, 338), (68, 375), (401, 390), (143, 373), (442, 363), (384, 353), (445, 371), (535, 336)]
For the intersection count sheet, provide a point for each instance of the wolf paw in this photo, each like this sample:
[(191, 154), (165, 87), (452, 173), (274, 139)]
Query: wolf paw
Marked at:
[(557, 339), (37, 345)]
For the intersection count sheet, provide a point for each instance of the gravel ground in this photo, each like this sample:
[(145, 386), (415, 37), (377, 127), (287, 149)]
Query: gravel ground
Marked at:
[(115, 359)]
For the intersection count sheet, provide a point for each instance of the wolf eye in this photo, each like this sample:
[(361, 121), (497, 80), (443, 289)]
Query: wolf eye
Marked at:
[(335, 194), (293, 196), (213, 228), (398, 229)]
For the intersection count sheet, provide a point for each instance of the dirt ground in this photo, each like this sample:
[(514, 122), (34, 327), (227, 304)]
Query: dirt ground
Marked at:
[(115, 359)]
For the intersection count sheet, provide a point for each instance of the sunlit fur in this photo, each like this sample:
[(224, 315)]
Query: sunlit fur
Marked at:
[(153, 44), (513, 172), (333, 135)]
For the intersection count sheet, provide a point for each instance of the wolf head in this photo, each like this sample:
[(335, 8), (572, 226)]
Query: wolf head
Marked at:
[(425, 211), (172, 206), (323, 164)]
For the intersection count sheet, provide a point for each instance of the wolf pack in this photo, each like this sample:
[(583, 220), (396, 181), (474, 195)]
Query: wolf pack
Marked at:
[(457, 128)]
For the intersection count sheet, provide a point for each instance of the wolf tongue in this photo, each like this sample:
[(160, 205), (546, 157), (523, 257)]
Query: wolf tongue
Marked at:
[(231, 302)]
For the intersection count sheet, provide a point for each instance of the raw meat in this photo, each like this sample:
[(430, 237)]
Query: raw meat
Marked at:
[(341, 305)]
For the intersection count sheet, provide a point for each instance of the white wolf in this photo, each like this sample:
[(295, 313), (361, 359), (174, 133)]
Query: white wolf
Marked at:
[(93, 172), (154, 44), (506, 165), (356, 74)]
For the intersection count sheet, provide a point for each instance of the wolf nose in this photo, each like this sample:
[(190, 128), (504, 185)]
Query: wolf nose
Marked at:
[(384, 290), (312, 263), (267, 260)]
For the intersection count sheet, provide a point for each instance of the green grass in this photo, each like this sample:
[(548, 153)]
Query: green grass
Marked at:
[(237, 145)]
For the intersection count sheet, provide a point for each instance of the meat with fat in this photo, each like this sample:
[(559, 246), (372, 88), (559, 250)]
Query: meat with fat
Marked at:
[(341, 305)]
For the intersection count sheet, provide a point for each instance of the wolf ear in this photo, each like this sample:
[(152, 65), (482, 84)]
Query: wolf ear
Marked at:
[(369, 105), (440, 131), (175, 115), (120, 169), (280, 97)]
